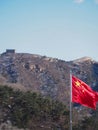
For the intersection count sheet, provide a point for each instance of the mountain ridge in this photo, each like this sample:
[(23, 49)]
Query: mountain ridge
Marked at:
[(49, 77), (45, 75)]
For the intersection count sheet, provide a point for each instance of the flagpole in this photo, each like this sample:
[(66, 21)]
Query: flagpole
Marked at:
[(70, 100)]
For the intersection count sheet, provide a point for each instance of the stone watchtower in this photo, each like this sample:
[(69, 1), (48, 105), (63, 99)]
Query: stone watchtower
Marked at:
[(10, 51)]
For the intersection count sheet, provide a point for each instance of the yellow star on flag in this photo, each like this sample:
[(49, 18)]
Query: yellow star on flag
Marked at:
[(78, 83)]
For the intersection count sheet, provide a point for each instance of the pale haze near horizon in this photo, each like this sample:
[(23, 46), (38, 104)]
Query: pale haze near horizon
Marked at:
[(63, 29)]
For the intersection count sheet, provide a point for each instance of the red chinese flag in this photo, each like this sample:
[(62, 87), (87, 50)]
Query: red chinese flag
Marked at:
[(96, 95), (82, 93)]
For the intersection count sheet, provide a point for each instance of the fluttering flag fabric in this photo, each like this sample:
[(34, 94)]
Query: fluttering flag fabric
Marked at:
[(96, 95), (82, 93)]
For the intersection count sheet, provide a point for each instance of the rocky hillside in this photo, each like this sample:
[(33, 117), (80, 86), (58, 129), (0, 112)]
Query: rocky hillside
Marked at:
[(48, 76), (41, 74)]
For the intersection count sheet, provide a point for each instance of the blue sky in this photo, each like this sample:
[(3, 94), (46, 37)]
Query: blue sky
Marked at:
[(63, 29)]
